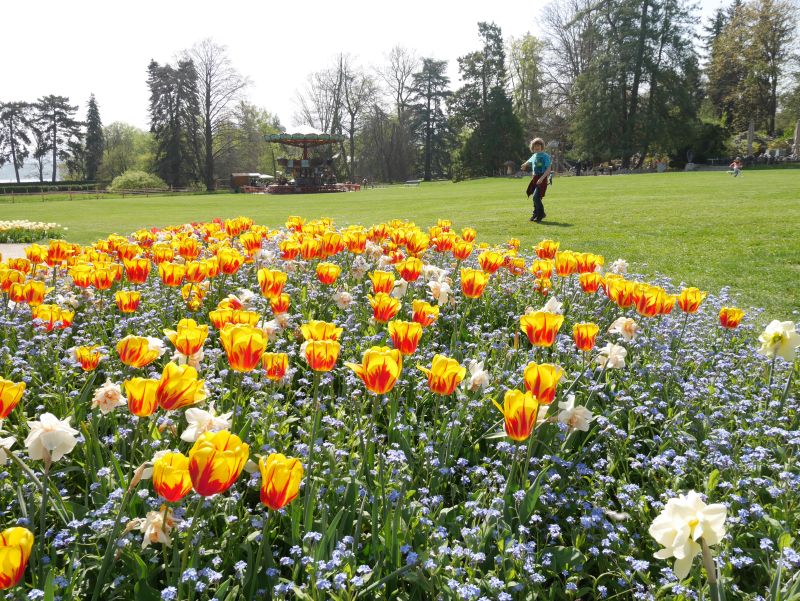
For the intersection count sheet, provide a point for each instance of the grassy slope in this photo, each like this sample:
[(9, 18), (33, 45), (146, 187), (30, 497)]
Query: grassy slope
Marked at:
[(706, 229)]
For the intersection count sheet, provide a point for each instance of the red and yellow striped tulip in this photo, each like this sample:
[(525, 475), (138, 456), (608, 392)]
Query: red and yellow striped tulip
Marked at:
[(171, 274), (589, 262), (127, 300), (546, 249), (179, 387), (280, 480), (103, 277), (328, 273), (244, 345), (321, 355), (289, 249), (469, 234), (58, 251), (15, 550), (230, 260), (171, 478), (356, 241), (215, 462), (141, 393), (271, 282), (417, 243), (81, 275), (275, 365), (137, 270), (196, 271), (10, 395), (320, 330), (690, 299), (520, 410), (490, 261), (162, 253), (461, 250), (382, 281), (566, 263), (280, 303), (541, 327), (424, 313), (189, 337), (730, 317), (135, 351), (444, 375), (189, 248), (541, 380), (379, 368), (405, 335), (619, 290), (409, 269), (590, 282), (473, 282), (384, 307), (585, 335), (88, 357), (50, 315)]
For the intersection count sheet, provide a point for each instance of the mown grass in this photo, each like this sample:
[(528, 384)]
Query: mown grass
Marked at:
[(704, 229)]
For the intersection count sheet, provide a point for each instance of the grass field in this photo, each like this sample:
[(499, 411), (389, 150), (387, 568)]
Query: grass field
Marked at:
[(704, 229)]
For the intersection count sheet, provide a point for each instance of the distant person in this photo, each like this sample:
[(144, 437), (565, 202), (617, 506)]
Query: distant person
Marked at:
[(736, 167), (540, 162)]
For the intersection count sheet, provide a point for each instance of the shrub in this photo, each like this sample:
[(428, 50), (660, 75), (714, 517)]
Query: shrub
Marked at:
[(21, 230), (137, 180)]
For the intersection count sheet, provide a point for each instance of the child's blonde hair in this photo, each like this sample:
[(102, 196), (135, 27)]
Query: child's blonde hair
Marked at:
[(536, 141)]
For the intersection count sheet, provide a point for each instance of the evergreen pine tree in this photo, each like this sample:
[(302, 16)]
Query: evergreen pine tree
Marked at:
[(95, 142)]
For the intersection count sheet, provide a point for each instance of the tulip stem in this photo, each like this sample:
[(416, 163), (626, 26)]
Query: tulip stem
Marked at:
[(42, 520), (310, 482), (259, 555), (185, 553)]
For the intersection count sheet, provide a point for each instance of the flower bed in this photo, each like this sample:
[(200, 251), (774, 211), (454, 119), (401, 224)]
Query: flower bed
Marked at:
[(225, 411), (22, 230)]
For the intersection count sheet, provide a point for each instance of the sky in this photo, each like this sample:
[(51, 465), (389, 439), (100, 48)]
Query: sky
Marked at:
[(87, 46)]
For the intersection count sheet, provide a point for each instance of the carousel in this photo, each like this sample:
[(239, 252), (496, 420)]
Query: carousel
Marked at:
[(306, 175)]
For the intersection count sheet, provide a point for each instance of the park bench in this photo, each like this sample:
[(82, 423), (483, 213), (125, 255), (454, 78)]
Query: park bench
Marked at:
[(412, 182)]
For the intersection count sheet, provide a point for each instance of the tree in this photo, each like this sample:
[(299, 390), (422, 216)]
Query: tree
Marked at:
[(41, 146), (219, 87), (94, 140), (525, 58), (359, 92), (56, 117), (320, 102), (125, 148), (430, 92), (14, 138), (398, 74)]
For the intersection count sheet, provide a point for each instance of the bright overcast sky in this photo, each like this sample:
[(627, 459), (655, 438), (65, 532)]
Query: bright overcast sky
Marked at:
[(84, 46)]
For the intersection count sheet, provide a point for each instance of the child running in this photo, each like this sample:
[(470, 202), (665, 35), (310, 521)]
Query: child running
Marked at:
[(540, 161), (736, 167)]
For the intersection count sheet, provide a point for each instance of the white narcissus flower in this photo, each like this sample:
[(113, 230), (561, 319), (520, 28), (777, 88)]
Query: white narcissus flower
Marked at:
[(156, 527), (5, 448), (779, 339), (192, 360), (271, 328), (360, 267), (553, 306), (50, 438), (680, 526), (201, 421), (147, 472), (577, 418), (400, 288), (478, 377), (625, 327), (385, 262), (440, 291), (619, 266), (156, 344), (282, 319), (343, 299), (372, 250), (612, 356), (108, 397)]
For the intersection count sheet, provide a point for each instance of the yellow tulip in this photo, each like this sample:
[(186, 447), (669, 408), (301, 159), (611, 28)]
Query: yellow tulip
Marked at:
[(379, 368), (280, 480)]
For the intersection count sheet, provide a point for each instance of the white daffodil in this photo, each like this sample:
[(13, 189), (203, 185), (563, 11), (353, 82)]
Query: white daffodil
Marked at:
[(577, 418), (5, 448), (50, 438), (680, 526), (201, 421), (619, 266), (779, 339), (192, 360), (156, 344), (553, 306), (612, 356), (400, 287), (479, 379), (156, 527), (108, 397), (440, 291), (625, 327), (343, 299), (359, 267)]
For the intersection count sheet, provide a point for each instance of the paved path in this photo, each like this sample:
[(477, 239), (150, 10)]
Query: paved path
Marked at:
[(12, 251)]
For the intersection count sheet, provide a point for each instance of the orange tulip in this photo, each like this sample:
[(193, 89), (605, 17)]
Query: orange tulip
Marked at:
[(280, 304), (244, 345), (171, 274), (179, 387), (10, 395), (382, 281), (542, 381), (275, 364), (473, 282), (379, 368), (444, 375), (409, 269), (546, 249), (405, 335), (215, 462), (271, 282), (384, 307), (328, 273), (137, 270), (136, 351), (88, 357), (585, 335), (730, 317), (127, 300), (189, 337), (690, 299), (280, 480), (15, 550), (590, 282), (321, 355), (424, 313), (141, 394), (520, 410), (541, 327), (171, 478), (490, 261)]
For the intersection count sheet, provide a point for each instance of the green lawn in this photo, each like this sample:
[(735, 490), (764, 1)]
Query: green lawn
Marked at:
[(705, 229)]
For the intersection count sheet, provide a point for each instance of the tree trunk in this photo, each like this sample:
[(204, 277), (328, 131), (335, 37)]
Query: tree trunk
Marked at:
[(13, 148), (209, 170), (428, 136), (637, 76), (55, 130)]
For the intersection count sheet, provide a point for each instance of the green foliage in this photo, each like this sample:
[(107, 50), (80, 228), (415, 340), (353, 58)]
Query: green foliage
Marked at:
[(125, 147), (138, 180), (94, 140)]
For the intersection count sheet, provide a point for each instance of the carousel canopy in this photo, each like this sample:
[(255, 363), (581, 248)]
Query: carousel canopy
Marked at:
[(304, 136)]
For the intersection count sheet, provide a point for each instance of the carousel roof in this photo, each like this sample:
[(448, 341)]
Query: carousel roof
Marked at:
[(304, 136)]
